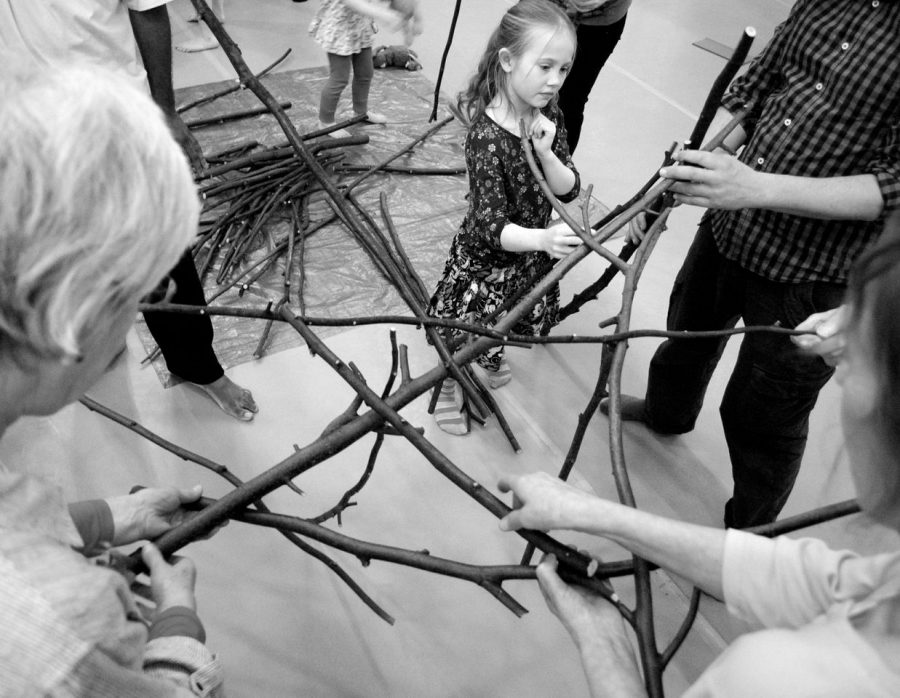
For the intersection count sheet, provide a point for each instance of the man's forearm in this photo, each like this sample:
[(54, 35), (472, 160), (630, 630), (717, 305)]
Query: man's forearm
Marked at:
[(153, 35), (857, 197)]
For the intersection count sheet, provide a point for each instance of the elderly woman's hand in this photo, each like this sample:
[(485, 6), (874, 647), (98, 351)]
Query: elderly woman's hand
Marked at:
[(149, 512), (171, 581), (543, 502), (582, 612)]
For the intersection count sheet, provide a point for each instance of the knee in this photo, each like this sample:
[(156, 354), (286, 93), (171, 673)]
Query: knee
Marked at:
[(338, 81)]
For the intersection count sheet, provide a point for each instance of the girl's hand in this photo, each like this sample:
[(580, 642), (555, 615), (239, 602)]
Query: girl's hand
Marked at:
[(542, 132), (558, 240), (413, 29), (542, 502), (637, 226), (713, 180), (149, 512), (393, 21), (172, 581)]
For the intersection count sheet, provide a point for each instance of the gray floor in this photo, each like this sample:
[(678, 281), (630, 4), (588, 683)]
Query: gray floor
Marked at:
[(281, 623)]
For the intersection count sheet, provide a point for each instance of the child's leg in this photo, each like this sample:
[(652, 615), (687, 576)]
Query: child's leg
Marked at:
[(363, 70), (448, 409), (338, 77)]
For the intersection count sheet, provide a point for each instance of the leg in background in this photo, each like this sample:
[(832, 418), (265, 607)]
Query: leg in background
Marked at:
[(186, 344), (595, 46), (363, 72), (708, 294), (338, 79)]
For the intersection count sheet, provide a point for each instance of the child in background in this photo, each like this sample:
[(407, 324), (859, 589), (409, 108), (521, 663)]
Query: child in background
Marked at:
[(505, 236), (345, 29)]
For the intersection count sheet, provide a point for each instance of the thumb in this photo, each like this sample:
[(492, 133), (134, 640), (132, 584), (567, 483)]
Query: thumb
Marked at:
[(152, 557), (510, 522), (190, 495)]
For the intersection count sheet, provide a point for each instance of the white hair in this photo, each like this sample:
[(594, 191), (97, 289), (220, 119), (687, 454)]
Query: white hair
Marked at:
[(98, 204)]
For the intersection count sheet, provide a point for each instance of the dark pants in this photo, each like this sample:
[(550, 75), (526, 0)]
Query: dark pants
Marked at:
[(186, 340), (595, 46), (773, 388), (339, 77)]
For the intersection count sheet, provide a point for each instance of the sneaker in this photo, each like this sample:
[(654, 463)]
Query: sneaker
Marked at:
[(375, 118)]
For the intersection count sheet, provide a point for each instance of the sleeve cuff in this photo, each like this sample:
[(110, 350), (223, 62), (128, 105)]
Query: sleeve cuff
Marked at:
[(745, 563), (94, 522), (889, 184), (177, 620)]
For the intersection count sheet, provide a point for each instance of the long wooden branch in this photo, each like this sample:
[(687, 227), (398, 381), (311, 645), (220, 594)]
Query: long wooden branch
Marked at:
[(225, 473)]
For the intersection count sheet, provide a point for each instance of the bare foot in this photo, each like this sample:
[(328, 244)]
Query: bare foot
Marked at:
[(199, 43), (233, 399)]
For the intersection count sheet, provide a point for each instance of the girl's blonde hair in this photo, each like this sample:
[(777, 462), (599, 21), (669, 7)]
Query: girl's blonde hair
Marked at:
[(98, 204), (513, 33)]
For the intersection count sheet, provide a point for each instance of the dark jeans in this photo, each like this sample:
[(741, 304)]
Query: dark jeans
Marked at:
[(595, 46), (339, 77), (186, 340), (773, 388)]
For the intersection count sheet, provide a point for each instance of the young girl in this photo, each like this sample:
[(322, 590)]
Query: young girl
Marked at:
[(504, 237), (345, 29)]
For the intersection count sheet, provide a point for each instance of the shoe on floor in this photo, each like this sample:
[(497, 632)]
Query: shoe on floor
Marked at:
[(448, 409), (501, 376), (374, 117), (633, 408)]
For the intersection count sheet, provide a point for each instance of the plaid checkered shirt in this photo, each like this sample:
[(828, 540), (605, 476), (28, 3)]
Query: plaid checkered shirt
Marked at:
[(827, 96)]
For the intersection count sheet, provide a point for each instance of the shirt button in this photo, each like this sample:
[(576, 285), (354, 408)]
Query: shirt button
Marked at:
[(787, 122), (845, 46), (760, 161), (819, 85)]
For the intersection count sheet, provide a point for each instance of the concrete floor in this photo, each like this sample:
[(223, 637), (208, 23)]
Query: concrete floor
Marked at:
[(283, 625)]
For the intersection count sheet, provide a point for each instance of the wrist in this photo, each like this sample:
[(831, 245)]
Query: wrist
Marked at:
[(177, 599), (588, 513), (126, 527)]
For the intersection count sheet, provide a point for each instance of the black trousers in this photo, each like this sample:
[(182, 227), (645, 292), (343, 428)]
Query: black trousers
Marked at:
[(595, 46), (186, 340), (772, 389)]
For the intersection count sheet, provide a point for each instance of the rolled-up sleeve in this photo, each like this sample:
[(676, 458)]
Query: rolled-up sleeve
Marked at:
[(787, 583), (886, 168)]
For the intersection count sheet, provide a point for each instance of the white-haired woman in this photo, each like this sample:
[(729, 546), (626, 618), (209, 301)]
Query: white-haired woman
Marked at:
[(830, 620), (98, 204)]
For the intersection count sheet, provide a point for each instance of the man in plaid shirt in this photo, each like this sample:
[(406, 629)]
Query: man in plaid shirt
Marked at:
[(817, 176)]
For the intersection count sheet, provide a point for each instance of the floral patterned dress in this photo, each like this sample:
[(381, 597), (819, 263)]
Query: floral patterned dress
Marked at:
[(340, 30), (479, 274)]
